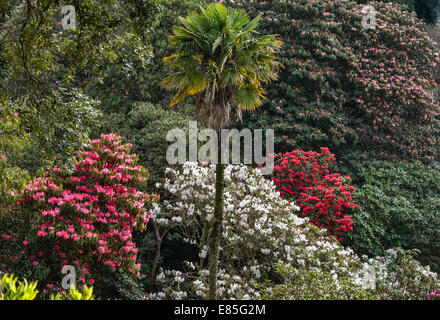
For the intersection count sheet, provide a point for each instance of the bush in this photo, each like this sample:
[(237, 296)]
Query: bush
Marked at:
[(146, 127), (398, 206), (345, 87), (11, 290), (399, 276), (311, 285), (433, 295), (324, 197), (84, 219), (12, 180), (260, 230)]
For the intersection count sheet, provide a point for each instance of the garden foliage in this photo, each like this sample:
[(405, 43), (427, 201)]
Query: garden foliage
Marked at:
[(346, 87), (84, 219), (324, 197), (398, 206)]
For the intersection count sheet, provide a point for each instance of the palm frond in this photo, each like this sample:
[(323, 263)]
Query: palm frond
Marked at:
[(249, 97), (217, 48)]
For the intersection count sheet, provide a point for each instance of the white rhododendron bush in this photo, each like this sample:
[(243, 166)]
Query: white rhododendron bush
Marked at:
[(261, 232)]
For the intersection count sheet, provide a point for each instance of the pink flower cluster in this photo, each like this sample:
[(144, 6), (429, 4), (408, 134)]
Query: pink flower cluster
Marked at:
[(87, 218)]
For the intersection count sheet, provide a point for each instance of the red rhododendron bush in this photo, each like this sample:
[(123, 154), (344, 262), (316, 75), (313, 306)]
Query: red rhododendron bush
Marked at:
[(84, 219), (324, 197)]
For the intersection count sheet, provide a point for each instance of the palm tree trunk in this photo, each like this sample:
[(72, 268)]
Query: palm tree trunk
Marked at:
[(216, 230)]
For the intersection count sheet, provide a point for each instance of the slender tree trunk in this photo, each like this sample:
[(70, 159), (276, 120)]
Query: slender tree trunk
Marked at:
[(216, 230), (159, 240)]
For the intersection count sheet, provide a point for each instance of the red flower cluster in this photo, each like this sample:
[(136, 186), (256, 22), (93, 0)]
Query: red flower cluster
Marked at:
[(86, 219), (304, 176)]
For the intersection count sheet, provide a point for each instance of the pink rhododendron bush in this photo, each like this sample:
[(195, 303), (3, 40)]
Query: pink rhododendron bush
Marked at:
[(261, 232), (84, 219)]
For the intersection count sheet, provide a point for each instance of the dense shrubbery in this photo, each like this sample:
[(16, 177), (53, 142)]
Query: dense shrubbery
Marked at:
[(146, 127), (84, 219), (398, 206), (427, 10), (12, 289), (303, 233), (308, 285), (398, 275), (346, 87), (260, 231), (324, 197), (12, 180)]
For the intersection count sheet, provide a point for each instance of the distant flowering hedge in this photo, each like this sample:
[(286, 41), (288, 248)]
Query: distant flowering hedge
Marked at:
[(346, 87), (84, 219), (324, 197)]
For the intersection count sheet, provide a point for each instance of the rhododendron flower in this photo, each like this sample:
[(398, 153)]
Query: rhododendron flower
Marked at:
[(83, 205)]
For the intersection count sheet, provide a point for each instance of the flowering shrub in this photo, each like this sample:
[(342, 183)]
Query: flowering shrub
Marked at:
[(260, 229), (324, 197), (345, 86), (433, 295), (311, 285), (84, 219), (261, 234), (12, 289), (399, 276)]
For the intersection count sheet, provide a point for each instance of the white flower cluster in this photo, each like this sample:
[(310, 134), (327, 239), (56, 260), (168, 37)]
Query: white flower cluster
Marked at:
[(399, 276), (260, 230)]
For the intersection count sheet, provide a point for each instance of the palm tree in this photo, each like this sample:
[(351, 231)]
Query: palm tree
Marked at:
[(220, 59)]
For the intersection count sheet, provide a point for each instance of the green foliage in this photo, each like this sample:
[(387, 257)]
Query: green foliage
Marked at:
[(12, 289), (399, 276), (427, 10), (121, 286), (41, 61), (12, 179), (310, 285), (346, 87), (129, 81), (146, 127), (84, 293), (399, 205)]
